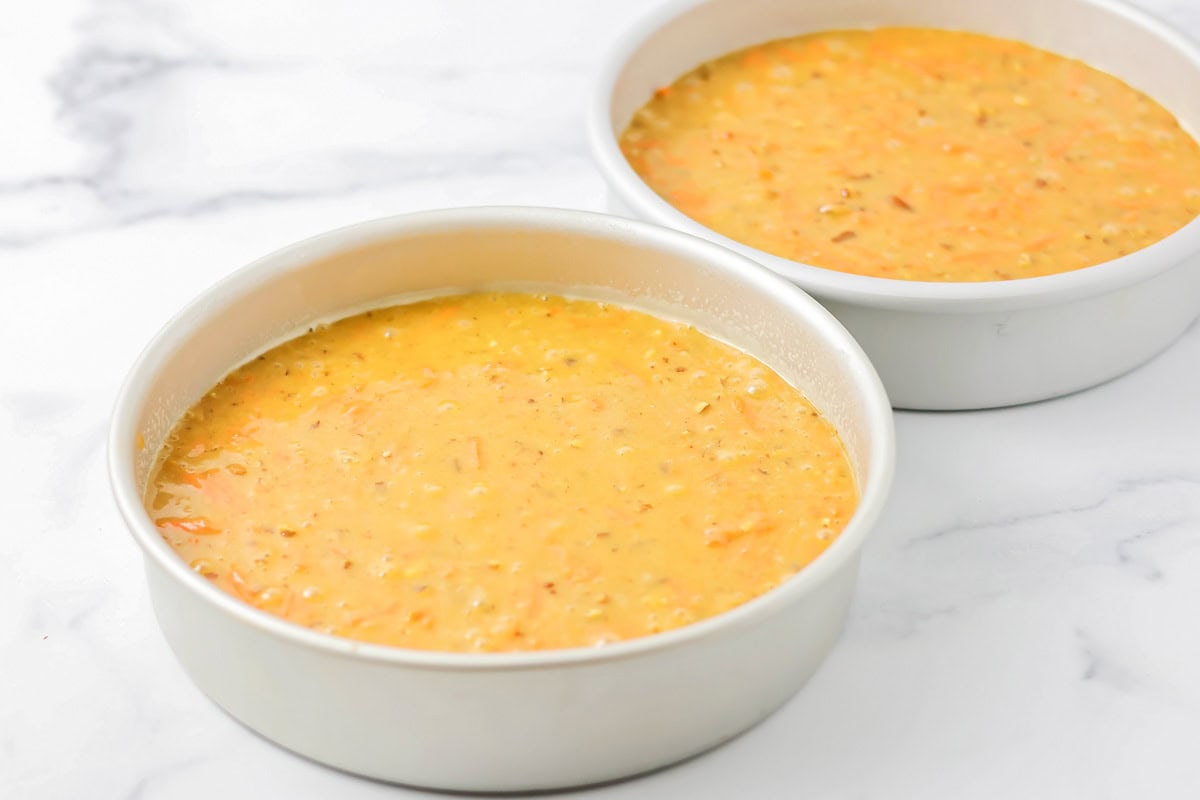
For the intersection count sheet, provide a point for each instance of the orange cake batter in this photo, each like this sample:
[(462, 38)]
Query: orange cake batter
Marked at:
[(918, 154), (494, 472)]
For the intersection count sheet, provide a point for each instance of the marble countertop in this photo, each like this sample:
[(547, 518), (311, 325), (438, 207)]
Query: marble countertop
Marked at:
[(1027, 619)]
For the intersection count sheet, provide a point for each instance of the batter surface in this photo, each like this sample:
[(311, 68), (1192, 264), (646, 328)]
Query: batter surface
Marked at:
[(495, 472), (918, 154)]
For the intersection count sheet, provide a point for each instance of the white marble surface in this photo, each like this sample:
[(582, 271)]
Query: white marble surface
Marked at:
[(1028, 623)]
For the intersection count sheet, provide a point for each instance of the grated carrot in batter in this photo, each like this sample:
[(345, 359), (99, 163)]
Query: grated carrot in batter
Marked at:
[(918, 154), (496, 472)]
